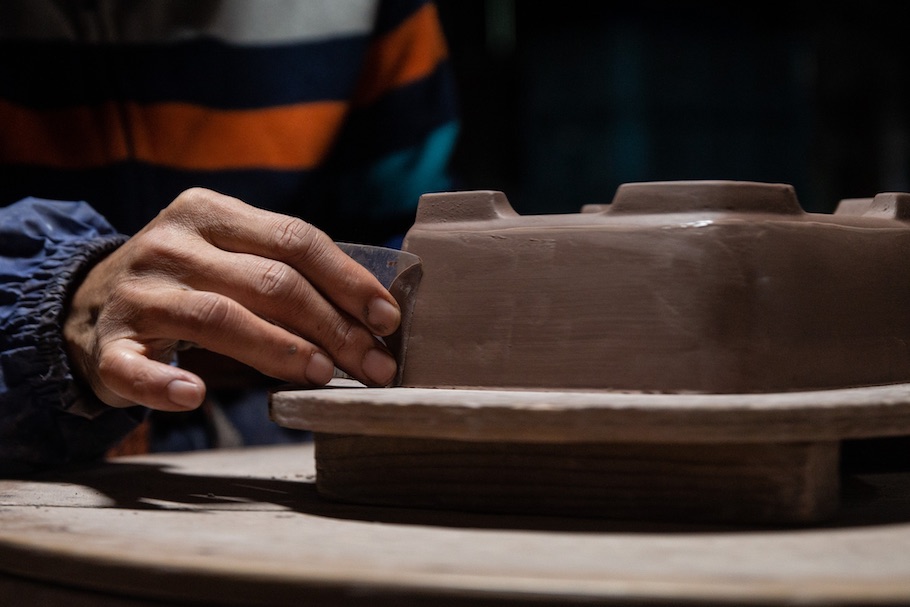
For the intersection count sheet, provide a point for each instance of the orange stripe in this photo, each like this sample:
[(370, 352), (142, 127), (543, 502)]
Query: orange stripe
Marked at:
[(176, 135), (190, 137), (407, 53), (60, 138)]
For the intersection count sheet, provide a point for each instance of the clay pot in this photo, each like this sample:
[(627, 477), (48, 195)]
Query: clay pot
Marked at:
[(692, 286)]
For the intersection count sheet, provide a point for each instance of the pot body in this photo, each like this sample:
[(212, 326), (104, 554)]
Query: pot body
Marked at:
[(693, 286)]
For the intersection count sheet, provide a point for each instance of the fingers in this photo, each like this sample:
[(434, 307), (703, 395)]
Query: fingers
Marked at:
[(220, 324), (128, 372), (234, 226), (267, 290), (273, 290), (289, 272), (127, 377)]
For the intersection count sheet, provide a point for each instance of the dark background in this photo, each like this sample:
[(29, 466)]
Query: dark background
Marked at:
[(563, 101)]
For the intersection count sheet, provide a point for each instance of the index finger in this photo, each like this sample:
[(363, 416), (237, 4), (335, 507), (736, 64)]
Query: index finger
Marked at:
[(235, 226)]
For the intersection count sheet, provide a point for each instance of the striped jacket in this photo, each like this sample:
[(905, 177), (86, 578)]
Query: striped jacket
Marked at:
[(337, 111)]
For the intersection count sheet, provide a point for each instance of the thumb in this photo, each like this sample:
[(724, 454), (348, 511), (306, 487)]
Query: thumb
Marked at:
[(126, 377)]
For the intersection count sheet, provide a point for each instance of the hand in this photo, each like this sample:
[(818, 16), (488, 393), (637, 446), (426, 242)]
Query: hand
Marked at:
[(270, 291)]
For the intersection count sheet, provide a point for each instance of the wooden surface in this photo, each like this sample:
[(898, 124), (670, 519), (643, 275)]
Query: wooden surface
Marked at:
[(578, 416), (246, 527)]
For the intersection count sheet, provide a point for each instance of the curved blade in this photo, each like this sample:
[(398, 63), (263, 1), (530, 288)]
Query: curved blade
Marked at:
[(400, 273), (384, 263)]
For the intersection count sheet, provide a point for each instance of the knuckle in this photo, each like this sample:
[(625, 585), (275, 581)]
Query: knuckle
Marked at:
[(143, 381), (106, 364), (186, 202), (274, 280), (343, 336), (194, 198), (162, 248), (115, 366), (209, 310), (197, 204), (298, 238)]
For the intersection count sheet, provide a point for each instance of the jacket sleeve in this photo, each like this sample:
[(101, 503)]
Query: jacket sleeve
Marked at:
[(46, 417)]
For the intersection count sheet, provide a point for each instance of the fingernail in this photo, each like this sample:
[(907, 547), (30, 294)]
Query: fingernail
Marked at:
[(379, 367), (184, 393), (320, 369), (383, 316)]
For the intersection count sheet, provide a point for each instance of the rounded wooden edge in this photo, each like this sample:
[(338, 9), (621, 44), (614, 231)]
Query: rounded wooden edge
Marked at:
[(577, 416), (142, 581), (54, 548)]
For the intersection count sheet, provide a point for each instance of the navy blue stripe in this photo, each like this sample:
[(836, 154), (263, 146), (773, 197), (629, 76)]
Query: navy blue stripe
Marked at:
[(204, 72), (130, 195), (400, 119)]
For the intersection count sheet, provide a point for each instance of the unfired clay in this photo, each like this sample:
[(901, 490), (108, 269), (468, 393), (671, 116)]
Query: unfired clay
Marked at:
[(694, 286)]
